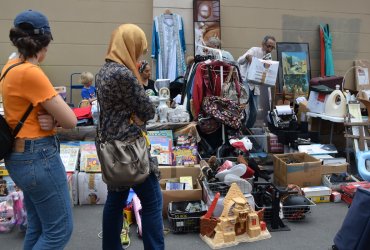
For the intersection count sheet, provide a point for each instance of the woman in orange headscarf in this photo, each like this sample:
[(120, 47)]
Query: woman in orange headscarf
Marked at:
[(121, 94)]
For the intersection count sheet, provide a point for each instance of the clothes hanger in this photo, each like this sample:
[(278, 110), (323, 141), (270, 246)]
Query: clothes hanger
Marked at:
[(167, 14), (204, 67)]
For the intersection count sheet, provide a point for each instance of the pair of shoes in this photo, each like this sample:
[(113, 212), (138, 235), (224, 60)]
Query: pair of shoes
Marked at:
[(243, 184), (125, 238), (237, 170), (227, 165), (250, 172)]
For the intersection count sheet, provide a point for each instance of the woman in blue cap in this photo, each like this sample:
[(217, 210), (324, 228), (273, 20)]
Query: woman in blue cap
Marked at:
[(34, 163)]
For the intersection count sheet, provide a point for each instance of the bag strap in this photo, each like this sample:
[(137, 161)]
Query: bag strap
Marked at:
[(29, 109), (21, 122), (9, 68)]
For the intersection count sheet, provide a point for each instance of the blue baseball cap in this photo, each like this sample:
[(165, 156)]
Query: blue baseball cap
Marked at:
[(38, 21)]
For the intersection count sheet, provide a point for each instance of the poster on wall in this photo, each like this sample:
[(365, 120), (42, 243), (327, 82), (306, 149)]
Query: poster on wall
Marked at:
[(294, 70), (206, 23)]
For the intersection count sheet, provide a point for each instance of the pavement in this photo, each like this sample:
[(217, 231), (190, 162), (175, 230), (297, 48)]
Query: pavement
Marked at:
[(316, 231)]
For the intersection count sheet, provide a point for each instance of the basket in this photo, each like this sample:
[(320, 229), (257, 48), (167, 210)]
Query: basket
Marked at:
[(181, 220), (223, 187), (290, 213)]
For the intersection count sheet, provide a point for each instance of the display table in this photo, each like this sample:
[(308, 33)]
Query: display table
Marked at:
[(88, 133), (168, 125), (332, 119), (82, 133)]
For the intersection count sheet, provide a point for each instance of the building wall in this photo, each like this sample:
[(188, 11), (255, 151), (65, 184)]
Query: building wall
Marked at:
[(82, 28), (244, 23), (81, 31)]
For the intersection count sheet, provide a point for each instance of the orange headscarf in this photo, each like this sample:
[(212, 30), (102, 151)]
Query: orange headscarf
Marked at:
[(127, 44)]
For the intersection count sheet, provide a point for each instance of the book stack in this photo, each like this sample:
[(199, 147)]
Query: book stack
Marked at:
[(161, 146)]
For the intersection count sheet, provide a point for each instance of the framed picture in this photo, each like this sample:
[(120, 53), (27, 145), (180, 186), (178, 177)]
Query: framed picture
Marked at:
[(294, 69), (206, 22), (361, 67)]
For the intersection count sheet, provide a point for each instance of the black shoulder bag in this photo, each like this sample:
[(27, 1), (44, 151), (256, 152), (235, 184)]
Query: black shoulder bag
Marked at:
[(7, 136)]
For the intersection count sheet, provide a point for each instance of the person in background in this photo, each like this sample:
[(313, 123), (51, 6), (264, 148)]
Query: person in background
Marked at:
[(88, 92), (215, 42), (146, 72), (124, 110), (34, 163), (263, 52)]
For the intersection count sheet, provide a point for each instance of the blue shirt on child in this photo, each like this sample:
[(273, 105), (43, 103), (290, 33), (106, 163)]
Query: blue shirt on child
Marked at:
[(87, 93)]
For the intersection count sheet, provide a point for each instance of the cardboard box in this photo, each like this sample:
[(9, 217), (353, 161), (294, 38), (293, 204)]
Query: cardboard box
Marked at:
[(168, 172), (331, 169), (305, 170), (263, 71), (320, 199), (319, 194), (91, 189), (316, 191)]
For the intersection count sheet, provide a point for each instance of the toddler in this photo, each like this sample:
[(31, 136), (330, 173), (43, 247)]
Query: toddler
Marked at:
[(88, 92)]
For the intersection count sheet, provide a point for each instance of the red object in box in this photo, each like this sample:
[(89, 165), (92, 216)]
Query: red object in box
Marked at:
[(346, 198), (350, 188)]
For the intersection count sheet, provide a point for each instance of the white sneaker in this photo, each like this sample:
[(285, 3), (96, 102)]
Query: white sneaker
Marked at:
[(243, 184), (237, 170)]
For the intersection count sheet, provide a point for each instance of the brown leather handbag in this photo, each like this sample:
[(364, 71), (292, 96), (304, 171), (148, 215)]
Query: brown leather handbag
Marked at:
[(123, 163)]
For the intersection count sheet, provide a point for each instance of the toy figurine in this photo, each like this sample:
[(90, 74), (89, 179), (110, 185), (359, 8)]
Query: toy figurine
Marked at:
[(237, 223)]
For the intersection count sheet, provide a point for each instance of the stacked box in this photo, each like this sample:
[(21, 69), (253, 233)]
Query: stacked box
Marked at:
[(168, 172), (297, 168), (91, 188)]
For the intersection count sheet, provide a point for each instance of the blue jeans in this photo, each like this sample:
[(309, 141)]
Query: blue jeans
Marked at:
[(253, 108), (150, 197), (40, 173)]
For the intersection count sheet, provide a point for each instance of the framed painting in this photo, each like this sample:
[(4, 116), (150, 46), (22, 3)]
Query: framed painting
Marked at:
[(294, 69), (206, 22)]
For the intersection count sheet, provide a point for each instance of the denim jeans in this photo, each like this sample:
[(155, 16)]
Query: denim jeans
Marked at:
[(150, 197), (40, 173), (253, 108)]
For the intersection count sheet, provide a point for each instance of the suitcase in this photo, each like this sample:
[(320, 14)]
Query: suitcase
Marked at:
[(329, 81)]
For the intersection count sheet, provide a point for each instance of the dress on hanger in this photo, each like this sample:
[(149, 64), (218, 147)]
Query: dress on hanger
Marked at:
[(168, 46)]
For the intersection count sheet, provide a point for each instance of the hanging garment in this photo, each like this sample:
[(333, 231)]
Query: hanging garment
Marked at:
[(168, 46), (329, 63), (322, 52), (207, 82)]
